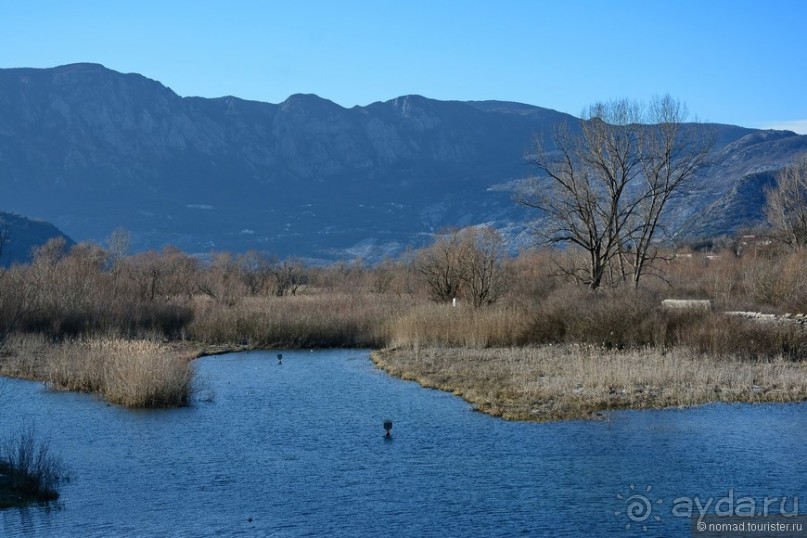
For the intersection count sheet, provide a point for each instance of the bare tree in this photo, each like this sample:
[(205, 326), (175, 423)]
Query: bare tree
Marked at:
[(3, 240), (606, 190), (582, 187), (221, 279), (49, 254), (383, 276), (118, 245), (45, 275), (440, 264), (786, 204), (17, 300), (465, 263), (671, 153), (255, 269), (482, 273), (166, 275), (289, 276), (4, 234), (16, 295)]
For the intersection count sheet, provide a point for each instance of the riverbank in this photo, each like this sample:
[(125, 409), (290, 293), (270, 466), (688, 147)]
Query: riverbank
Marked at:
[(129, 372), (534, 383), (560, 382)]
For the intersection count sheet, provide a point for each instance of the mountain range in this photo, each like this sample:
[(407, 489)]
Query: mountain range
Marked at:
[(91, 150)]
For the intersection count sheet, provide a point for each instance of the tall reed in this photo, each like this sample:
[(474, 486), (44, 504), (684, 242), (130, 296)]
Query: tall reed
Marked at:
[(134, 373), (462, 326), (322, 320)]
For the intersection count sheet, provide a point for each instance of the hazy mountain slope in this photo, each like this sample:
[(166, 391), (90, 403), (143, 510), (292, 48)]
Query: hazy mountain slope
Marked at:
[(92, 149), (730, 194), (20, 236)]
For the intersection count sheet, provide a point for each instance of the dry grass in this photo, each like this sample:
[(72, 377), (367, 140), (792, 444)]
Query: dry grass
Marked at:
[(142, 373), (24, 356), (323, 320), (463, 326), (134, 373), (573, 381), (81, 324)]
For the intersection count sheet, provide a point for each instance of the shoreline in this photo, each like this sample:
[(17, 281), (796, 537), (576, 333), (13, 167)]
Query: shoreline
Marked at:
[(570, 382), (533, 383)]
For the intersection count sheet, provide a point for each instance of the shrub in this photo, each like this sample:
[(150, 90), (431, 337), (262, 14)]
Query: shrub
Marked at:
[(610, 318), (723, 335), (31, 470)]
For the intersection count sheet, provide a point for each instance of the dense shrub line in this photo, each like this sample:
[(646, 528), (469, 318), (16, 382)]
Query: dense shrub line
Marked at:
[(108, 316)]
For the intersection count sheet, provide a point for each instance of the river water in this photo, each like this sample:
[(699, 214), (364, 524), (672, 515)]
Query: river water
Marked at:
[(298, 450)]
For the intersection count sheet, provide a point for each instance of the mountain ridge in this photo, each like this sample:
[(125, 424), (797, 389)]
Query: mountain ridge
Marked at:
[(91, 150)]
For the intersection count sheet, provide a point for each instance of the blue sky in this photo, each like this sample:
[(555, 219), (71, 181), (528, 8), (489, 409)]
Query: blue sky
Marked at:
[(741, 62)]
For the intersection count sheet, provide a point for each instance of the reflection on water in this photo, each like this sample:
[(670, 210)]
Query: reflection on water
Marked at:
[(298, 449)]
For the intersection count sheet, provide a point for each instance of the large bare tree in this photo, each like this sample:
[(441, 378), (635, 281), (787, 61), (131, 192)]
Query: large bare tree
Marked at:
[(605, 189), (786, 205), (671, 153)]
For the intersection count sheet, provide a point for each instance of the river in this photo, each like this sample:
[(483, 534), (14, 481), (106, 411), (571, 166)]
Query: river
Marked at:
[(298, 449)]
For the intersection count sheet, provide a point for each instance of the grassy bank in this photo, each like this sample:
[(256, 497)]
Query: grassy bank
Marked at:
[(576, 381), (568, 355), (134, 373)]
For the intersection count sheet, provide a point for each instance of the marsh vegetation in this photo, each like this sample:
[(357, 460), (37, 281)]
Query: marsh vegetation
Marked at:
[(127, 327), (29, 471)]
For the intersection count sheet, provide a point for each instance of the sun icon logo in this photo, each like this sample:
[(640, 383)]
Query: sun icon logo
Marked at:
[(638, 507)]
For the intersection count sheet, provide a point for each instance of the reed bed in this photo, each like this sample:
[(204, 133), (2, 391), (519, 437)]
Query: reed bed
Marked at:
[(126, 328), (143, 373), (546, 383), (321, 320), (133, 373), (463, 326)]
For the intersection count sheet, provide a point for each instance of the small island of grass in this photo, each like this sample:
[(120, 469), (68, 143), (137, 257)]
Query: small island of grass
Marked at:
[(29, 472)]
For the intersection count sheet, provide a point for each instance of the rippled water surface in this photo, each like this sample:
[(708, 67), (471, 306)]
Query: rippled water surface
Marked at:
[(297, 450)]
